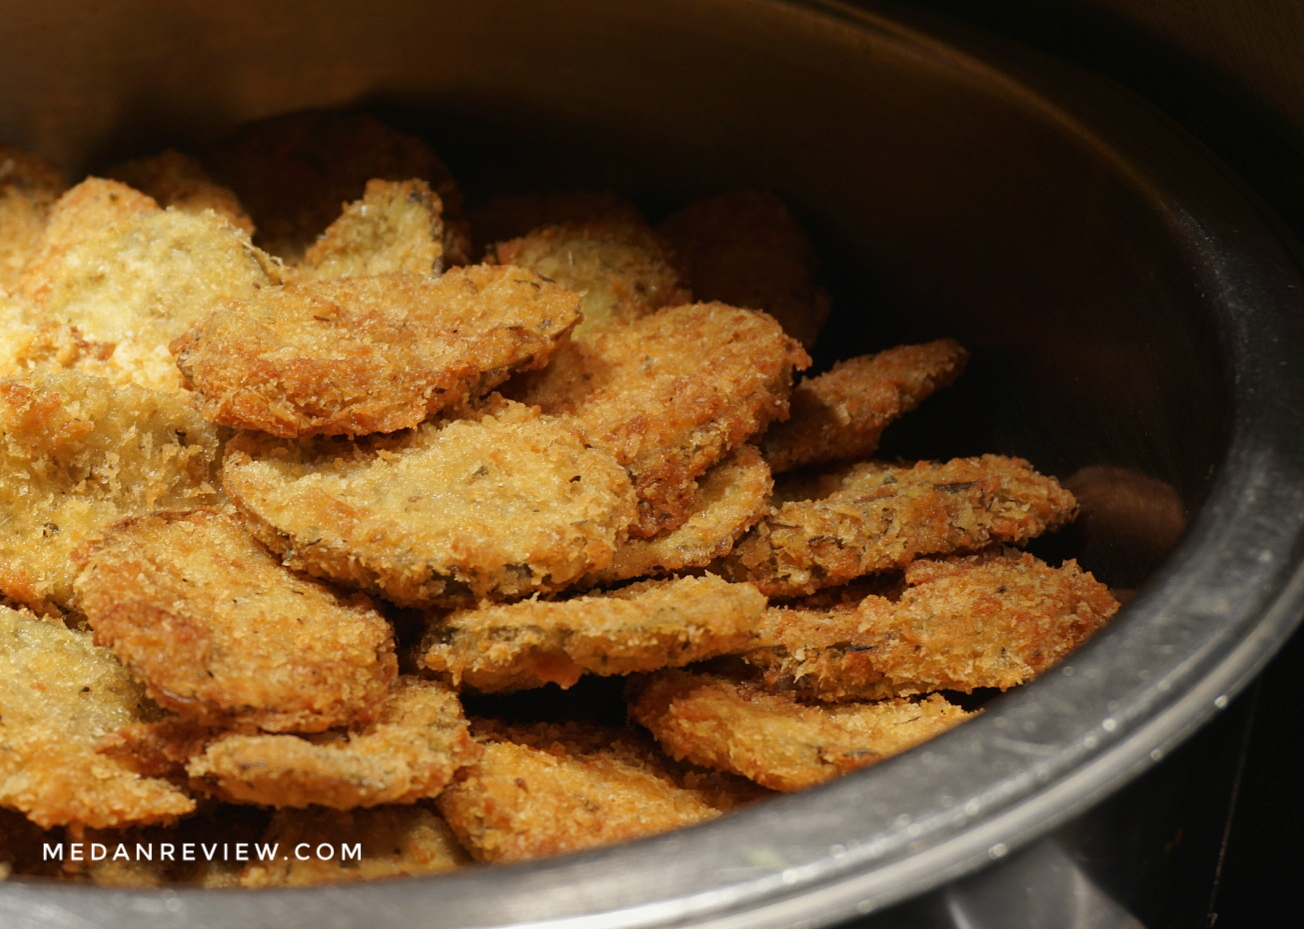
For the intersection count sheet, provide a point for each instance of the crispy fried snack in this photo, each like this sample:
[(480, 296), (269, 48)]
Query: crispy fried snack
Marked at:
[(411, 751), (884, 517), (990, 620), (620, 266), (395, 841), (841, 414), (29, 187), (551, 788), (773, 739), (502, 506), (294, 170), (650, 625), (669, 394), (59, 696), (77, 453), (396, 226), (372, 354), (745, 249), (176, 179), (729, 499), (25, 348), (221, 633)]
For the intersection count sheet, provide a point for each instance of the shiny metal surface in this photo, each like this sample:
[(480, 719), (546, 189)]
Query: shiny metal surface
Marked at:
[(1128, 305)]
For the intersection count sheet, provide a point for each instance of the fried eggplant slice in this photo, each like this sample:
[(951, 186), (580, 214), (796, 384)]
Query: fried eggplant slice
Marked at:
[(549, 788), (670, 394), (745, 249), (840, 415), (77, 453), (389, 841), (60, 696), (510, 215), (29, 188), (412, 750), (773, 739), (357, 356), (221, 633), (176, 179), (396, 226), (620, 267), (642, 627), (883, 516), (497, 507), (988, 620)]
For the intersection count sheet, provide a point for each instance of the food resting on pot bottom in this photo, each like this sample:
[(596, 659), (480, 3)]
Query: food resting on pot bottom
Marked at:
[(279, 512)]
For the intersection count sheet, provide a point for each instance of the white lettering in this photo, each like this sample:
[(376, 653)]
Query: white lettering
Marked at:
[(187, 851), (266, 852), (75, 851), (330, 852), (53, 851), (121, 852), (209, 852), (167, 852), (241, 851), (144, 852), (299, 856), (350, 851)]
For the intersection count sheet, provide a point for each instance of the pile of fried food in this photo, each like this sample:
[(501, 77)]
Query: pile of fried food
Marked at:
[(298, 460)]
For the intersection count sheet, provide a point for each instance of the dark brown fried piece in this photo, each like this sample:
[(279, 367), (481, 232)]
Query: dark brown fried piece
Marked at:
[(396, 226), (654, 624), (176, 179), (745, 249), (221, 633), (989, 620), (21, 847), (512, 215), (773, 739), (357, 356), (558, 787), (411, 751), (59, 696), (841, 414), (670, 394), (883, 517), (29, 187)]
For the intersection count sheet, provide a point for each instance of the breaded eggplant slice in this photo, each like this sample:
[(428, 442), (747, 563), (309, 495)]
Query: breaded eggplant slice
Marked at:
[(59, 696), (496, 507), (220, 632), (391, 841), (883, 517), (176, 179), (549, 788), (729, 499), (620, 267), (745, 249), (412, 750), (396, 226), (29, 187), (841, 414), (773, 739), (294, 170), (357, 356), (642, 627), (510, 215), (670, 394), (25, 348), (990, 620), (77, 453)]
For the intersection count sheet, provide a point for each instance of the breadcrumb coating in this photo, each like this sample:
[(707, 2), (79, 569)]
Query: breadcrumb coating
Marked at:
[(29, 187), (396, 226), (176, 179)]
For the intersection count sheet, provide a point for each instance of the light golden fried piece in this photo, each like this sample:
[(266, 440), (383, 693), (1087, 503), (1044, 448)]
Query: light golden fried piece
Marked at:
[(222, 634), (25, 348), (508, 215), (411, 751), (559, 787), (746, 249), (294, 170), (650, 625), (773, 739), (357, 356), (77, 453), (29, 187), (989, 620), (176, 179), (620, 267), (841, 414), (390, 841), (59, 696), (396, 226), (883, 517), (670, 394), (501, 506)]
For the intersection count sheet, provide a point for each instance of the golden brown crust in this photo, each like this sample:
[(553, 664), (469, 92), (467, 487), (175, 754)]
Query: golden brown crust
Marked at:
[(221, 633), (771, 738), (396, 226), (841, 414), (654, 624), (500, 507), (883, 517), (29, 187), (176, 179), (373, 354)]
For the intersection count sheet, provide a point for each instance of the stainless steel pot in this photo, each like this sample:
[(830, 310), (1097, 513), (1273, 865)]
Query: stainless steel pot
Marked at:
[(1128, 304)]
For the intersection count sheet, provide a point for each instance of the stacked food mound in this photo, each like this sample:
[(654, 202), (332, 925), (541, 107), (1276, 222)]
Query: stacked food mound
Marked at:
[(287, 487)]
